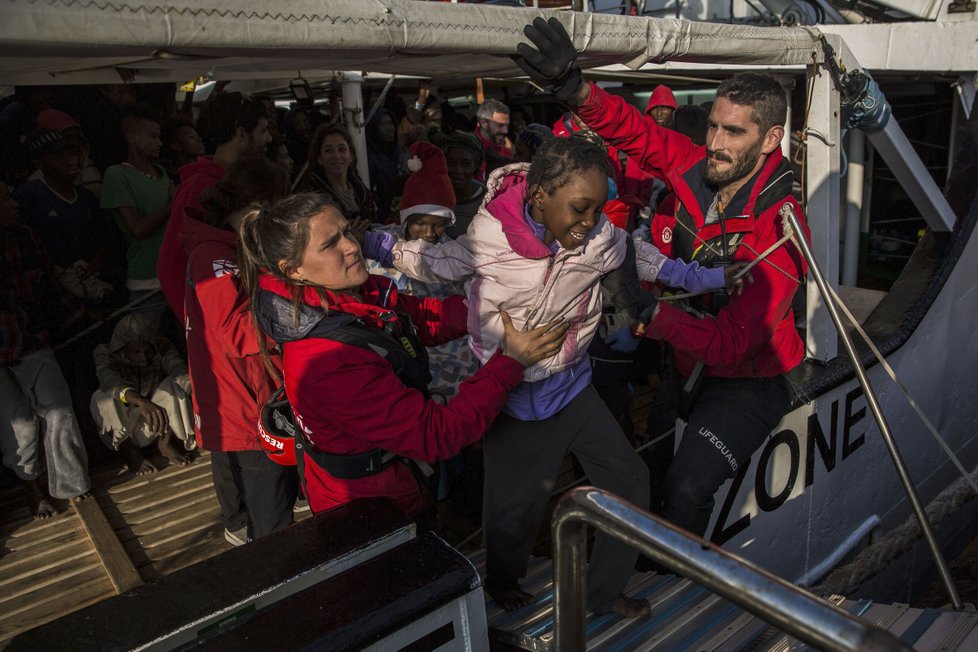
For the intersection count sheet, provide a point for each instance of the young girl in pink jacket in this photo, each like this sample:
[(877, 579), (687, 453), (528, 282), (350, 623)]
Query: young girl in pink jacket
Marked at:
[(538, 249)]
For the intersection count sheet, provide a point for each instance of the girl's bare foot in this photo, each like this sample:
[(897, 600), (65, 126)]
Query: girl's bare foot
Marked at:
[(135, 459), (513, 599), (37, 499), (173, 449), (631, 607)]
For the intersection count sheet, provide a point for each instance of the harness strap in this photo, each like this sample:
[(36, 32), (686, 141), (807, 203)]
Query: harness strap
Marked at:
[(345, 467)]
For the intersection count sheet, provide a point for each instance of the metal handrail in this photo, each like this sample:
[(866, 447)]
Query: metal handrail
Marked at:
[(784, 605)]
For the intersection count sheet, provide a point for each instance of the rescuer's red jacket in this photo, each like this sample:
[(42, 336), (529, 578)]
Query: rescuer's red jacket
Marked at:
[(171, 267), (229, 380), (348, 399), (754, 335)]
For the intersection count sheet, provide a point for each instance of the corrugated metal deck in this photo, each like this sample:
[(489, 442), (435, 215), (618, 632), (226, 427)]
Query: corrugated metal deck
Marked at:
[(686, 616)]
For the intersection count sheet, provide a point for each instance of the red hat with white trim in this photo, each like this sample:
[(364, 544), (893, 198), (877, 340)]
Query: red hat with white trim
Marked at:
[(428, 190)]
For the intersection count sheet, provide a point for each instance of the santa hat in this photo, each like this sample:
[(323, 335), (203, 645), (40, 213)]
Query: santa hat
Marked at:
[(428, 190), (661, 96), (55, 120)]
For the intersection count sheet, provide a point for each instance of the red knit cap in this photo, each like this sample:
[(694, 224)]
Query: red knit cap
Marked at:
[(428, 190), (54, 119), (661, 96)]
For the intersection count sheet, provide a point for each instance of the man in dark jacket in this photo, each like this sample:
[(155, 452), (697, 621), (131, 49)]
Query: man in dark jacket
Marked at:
[(232, 127), (731, 351)]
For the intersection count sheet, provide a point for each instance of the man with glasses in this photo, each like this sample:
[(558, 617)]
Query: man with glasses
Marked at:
[(492, 130)]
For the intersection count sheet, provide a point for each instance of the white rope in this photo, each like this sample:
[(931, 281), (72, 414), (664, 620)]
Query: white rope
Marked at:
[(846, 579)]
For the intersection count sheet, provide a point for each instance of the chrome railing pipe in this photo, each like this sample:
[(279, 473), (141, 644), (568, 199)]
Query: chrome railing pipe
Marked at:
[(857, 365), (784, 605)]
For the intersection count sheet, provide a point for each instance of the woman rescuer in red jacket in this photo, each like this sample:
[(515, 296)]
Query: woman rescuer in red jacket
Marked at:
[(344, 334)]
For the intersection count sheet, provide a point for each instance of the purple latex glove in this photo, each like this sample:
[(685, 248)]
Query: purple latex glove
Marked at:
[(623, 341), (377, 245), (691, 277)]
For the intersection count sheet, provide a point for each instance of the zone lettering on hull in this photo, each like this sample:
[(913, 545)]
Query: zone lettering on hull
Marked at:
[(830, 451)]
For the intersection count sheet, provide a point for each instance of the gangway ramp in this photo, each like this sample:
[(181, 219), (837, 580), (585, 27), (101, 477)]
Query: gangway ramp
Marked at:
[(686, 616)]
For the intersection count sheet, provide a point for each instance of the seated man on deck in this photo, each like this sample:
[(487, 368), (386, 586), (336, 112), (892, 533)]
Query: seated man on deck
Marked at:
[(143, 395), (732, 351), (34, 396)]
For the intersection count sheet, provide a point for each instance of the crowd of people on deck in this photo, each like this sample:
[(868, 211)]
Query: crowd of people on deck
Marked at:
[(484, 301)]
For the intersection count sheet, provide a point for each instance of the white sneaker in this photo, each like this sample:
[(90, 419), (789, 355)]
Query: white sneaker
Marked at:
[(238, 537)]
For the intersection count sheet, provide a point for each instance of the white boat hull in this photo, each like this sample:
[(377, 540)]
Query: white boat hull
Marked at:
[(824, 480)]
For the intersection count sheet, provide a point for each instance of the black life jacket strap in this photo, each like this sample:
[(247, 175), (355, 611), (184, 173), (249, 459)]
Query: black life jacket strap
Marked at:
[(409, 360), (345, 467)]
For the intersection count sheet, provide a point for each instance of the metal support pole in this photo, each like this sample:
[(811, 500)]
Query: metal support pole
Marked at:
[(784, 605), (874, 407), (352, 95), (788, 83), (824, 199), (856, 153)]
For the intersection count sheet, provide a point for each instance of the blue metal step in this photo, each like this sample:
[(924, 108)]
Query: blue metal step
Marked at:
[(687, 617)]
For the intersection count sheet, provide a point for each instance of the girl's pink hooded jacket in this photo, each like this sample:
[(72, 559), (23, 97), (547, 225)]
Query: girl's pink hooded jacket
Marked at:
[(505, 266)]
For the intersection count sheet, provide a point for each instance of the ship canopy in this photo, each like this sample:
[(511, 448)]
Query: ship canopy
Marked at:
[(85, 41)]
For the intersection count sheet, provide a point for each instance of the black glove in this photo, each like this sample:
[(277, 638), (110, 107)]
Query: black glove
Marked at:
[(551, 65), (645, 316), (621, 289)]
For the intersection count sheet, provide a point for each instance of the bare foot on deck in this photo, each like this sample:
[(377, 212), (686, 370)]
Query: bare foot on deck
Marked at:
[(135, 459), (37, 499), (513, 599), (631, 607), (172, 448)]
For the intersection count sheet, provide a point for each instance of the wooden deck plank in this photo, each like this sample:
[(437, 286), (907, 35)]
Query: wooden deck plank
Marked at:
[(189, 529), (46, 606), (40, 559), (118, 566), (202, 533), (70, 531), (163, 507), (165, 489), (189, 556), (23, 592), (23, 531), (188, 515), (127, 487)]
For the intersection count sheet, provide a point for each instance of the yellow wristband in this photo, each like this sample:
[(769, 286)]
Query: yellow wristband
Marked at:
[(122, 395)]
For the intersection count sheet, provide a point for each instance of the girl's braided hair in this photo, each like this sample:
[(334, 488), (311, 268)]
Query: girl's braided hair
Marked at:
[(560, 158)]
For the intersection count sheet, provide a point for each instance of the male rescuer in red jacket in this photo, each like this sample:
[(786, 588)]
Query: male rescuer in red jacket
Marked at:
[(731, 351)]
